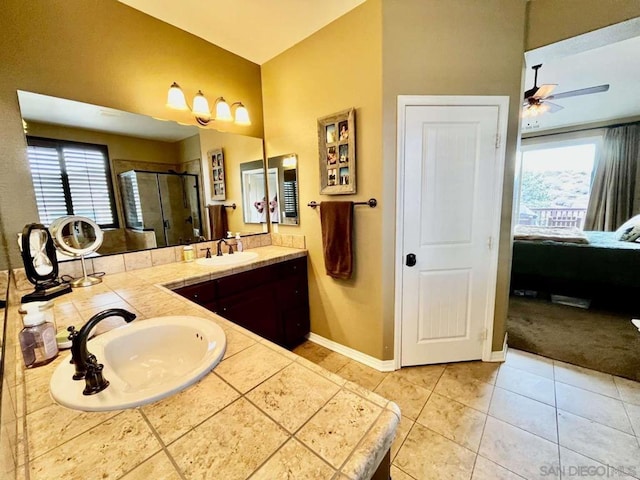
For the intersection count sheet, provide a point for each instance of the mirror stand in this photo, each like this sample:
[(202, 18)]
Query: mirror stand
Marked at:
[(85, 280)]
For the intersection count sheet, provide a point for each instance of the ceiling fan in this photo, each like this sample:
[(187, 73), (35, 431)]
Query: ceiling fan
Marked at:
[(536, 99)]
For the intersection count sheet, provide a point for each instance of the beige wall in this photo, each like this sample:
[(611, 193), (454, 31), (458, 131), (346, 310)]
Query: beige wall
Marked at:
[(465, 48), (103, 53), (337, 68), (550, 21), (237, 149)]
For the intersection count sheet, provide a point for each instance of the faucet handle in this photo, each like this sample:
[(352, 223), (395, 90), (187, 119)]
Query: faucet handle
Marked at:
[(94, 381), (230, 249), (73, 333)]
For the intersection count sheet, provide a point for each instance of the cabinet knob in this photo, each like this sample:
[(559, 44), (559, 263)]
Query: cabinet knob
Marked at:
[(196, 295)]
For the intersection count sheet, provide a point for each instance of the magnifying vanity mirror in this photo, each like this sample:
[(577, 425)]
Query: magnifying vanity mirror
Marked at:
[(282, 174), (78, 237), (40, 263)]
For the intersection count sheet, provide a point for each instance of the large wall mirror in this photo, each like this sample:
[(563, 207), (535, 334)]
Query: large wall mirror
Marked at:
[(282, 174), (146, 182)]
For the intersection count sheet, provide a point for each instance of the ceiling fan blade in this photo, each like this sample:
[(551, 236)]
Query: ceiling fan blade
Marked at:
[(582, 91), (553, 107), (545, 90)]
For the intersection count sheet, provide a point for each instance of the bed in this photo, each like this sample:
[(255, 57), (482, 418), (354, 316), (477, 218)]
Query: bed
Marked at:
[(605, 270)]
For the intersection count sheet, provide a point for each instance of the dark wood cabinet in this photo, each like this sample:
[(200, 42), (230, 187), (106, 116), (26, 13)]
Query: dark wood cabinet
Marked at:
[(271, 301)]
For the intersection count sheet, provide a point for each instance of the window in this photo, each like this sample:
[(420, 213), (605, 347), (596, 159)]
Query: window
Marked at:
[(71, 178), (555, 182)]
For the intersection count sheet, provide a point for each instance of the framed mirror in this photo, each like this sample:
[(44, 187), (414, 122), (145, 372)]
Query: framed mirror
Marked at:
[(284, 206), (254, 192), (126, 148)]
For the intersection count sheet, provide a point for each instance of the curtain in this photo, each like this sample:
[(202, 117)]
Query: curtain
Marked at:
[(614, 195)]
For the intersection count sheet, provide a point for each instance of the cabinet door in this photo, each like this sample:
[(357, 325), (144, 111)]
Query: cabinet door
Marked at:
[(292, 292), (201, 293), (255, 310), (295, 322)]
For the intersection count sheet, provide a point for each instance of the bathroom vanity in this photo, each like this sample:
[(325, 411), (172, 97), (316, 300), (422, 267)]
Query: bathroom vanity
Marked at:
[(271, 301), (263, 412)]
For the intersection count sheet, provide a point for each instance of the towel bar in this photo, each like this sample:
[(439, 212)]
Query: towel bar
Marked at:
[(372, 202), (233, 205)]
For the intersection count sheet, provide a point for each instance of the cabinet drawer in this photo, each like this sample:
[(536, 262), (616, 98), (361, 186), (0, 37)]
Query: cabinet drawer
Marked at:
[(200, 293), (243, 281), (297, 266)]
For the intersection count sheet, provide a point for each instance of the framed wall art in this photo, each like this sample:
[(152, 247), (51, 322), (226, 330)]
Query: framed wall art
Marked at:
[(337, 153), (216, 162)]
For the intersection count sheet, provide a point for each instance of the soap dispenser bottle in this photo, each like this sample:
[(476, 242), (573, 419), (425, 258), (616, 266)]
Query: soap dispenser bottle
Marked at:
[(37, 340), (239, 246)]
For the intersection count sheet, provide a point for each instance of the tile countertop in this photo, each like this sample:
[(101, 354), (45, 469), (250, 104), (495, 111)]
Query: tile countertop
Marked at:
[(263, 412)]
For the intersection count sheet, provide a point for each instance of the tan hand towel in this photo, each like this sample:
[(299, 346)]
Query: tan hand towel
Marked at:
[(218, 221), (336, 219)]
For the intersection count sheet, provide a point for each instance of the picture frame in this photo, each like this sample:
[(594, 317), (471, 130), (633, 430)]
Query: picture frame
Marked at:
[(337, 153), (217, 178)]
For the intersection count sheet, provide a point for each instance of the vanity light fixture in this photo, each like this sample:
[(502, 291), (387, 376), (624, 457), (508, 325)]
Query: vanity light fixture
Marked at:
[(201, 111)]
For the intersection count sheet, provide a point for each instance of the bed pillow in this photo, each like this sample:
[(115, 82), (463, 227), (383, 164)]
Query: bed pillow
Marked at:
[(631, 235), (627, 226)]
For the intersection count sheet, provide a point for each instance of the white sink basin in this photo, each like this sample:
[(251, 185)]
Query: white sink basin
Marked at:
[(144, 361), (236, 258)]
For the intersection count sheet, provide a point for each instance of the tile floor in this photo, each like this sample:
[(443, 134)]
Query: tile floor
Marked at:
[(530, 417)]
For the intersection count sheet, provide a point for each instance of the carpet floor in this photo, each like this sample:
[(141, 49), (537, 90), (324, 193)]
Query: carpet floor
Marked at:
[(603, 341)]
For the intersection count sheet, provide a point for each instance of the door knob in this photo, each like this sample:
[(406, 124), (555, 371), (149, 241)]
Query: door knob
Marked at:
[(411, 259)]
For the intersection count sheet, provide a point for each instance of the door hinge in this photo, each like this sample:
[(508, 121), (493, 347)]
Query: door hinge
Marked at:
[(490, 243), (498, 139)]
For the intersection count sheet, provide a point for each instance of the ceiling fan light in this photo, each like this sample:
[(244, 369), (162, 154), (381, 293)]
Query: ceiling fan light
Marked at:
[(534, 109), (175, 98), (242, 115), (201, 106), (223, 111)]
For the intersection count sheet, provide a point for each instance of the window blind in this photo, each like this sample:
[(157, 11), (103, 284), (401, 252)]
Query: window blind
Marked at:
[(47, 183), (71, 179)]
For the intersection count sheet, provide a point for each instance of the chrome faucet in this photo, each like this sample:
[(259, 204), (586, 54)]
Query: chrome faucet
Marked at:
[(219, 249), (86, 364)]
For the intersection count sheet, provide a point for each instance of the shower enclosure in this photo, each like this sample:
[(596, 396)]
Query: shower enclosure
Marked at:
[(167, 204)]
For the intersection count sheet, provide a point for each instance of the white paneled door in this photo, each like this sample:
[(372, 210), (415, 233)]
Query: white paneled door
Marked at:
[(450, 187)]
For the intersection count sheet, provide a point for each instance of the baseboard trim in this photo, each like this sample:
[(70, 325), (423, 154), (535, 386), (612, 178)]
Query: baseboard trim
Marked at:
[(380, 365), (500, 355)]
